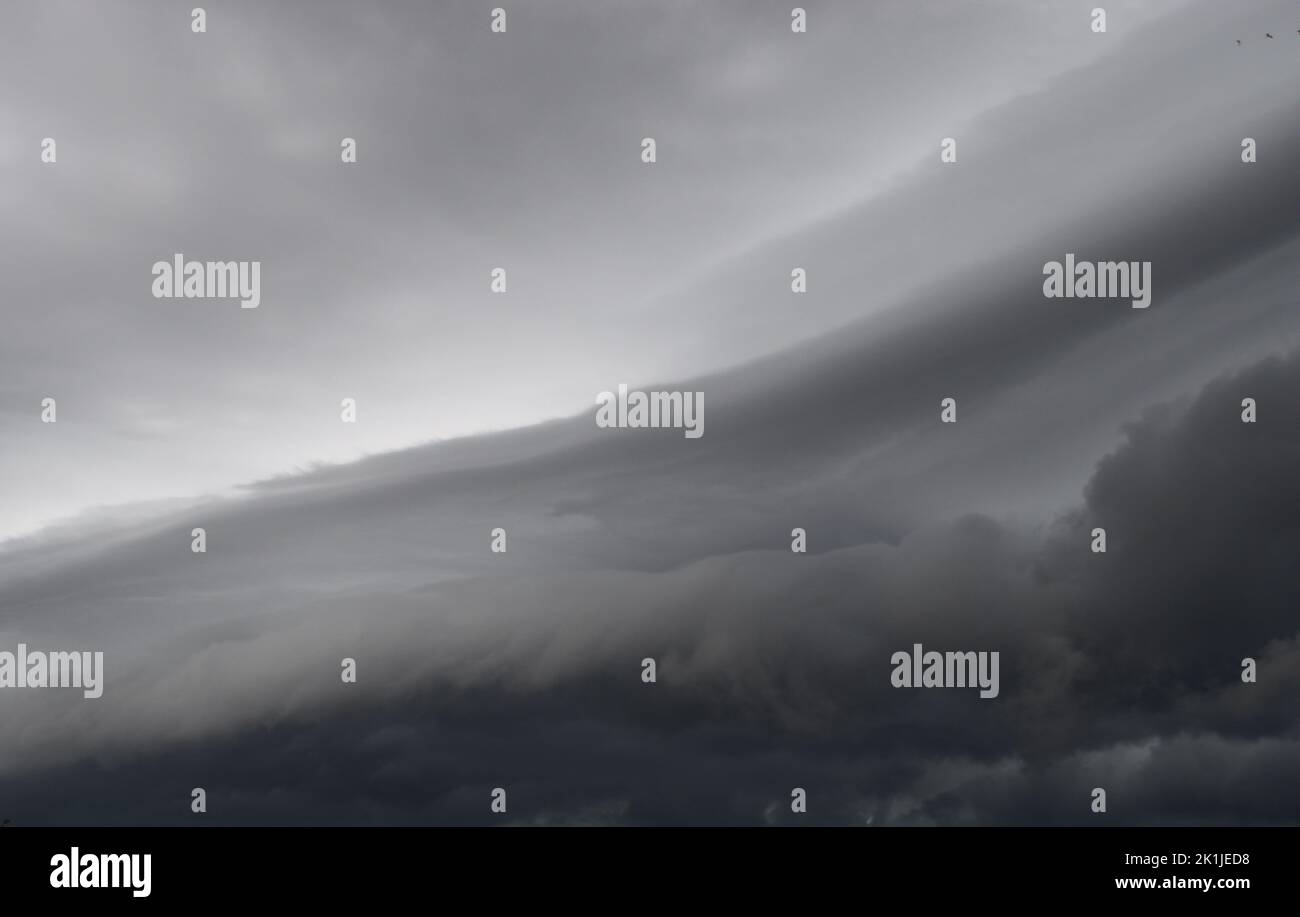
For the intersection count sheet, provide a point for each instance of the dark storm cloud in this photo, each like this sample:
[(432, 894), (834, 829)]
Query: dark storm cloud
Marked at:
[(774, 668), (522, 670)]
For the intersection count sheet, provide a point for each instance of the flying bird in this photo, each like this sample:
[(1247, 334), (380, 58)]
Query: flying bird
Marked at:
[(1239, 40), (1268, 34)]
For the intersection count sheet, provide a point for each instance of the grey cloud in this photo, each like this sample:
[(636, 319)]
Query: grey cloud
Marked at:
[(774, 667), (523, 670), (474, 154)]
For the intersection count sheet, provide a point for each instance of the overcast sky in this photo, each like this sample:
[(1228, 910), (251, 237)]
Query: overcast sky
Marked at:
[(475, 151), (822, 410)]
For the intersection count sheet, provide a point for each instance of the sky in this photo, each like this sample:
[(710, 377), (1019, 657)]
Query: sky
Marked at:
[(522, 670), (475, 151)]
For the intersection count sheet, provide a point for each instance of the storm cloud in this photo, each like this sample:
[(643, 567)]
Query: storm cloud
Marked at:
[(523, 670)]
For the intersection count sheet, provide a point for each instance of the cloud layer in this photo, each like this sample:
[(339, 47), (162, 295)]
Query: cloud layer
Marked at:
[(522, 670)]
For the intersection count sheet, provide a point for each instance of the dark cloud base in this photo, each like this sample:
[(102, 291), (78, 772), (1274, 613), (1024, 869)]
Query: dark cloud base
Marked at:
[(1119, 670)]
